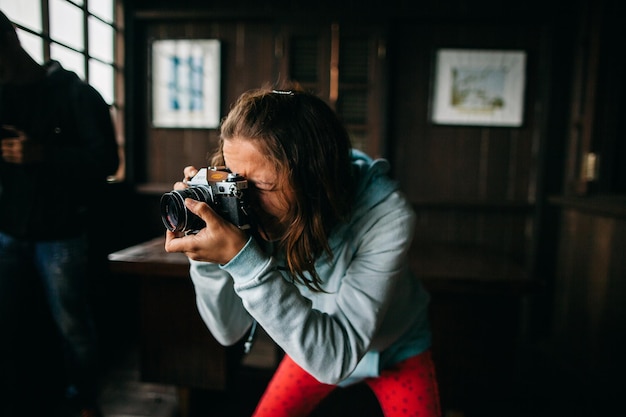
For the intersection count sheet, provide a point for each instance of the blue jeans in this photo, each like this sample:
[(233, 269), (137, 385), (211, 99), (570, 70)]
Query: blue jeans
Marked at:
[(60, 267)]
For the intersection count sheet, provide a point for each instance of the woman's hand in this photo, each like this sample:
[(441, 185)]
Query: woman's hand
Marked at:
[(218, 242), (189, 172)]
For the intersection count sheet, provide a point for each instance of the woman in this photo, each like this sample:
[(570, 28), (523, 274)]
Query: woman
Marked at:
[(326, 273)]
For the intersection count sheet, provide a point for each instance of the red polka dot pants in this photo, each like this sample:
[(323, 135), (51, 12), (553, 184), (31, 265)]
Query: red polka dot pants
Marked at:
[(407, 389)]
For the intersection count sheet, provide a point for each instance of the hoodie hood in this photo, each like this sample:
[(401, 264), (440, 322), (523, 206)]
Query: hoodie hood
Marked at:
[(372, 179)]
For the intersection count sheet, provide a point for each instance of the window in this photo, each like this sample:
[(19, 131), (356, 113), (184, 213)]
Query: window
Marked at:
[(83, 35), (344, 64)]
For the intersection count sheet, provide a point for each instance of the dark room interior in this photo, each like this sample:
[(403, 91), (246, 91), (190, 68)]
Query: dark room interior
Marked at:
[(521, 222)]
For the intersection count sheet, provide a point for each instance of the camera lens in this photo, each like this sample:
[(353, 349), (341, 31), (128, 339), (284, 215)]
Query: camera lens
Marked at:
[(171, 210), (176, 217)]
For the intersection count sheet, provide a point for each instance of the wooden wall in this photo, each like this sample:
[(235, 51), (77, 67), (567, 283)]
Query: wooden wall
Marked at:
[(587, 337), (590, 283), (471, 185), (244, 47), (585, 357)]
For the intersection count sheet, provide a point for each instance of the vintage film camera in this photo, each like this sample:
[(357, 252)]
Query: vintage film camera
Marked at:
[(223, 190)]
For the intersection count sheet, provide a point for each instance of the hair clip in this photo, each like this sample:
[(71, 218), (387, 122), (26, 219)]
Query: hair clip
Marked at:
[(284, 92)]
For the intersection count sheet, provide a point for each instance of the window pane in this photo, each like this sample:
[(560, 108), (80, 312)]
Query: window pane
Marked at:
[(101, 38), (24, 12), (70, 59), (66, 24), (33, 44), (103, 9), (101, 78)]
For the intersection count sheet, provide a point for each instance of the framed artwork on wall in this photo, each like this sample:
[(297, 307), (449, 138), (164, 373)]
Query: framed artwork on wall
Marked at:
[(478, 87), (186, 83)]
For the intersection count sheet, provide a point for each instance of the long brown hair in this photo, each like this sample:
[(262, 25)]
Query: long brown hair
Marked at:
[(310, 149)]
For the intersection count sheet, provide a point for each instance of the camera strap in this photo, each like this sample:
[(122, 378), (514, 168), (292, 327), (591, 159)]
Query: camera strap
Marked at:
[(247, 346)]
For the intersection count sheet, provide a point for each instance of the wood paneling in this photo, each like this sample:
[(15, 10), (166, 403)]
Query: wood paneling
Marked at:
[(470, 184), (589, 292), (247, 62), (435, 162), (587, 342)]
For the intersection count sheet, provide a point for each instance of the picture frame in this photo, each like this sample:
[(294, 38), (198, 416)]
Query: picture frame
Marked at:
[(186, 80), (476, 87)]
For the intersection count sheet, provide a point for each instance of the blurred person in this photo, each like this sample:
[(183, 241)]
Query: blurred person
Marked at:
[(58, 147), (324, 270)]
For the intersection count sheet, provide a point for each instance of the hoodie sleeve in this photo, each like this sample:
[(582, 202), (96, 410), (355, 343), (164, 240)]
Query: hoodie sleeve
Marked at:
[(219, 306)]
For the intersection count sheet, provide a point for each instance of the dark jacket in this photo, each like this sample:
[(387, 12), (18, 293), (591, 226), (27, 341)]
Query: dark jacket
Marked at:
[(50, 200)]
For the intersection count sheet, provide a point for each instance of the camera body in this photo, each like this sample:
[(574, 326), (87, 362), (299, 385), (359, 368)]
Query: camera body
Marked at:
[(225, 191)]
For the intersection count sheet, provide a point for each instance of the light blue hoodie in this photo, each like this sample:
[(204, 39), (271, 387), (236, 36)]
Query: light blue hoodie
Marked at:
[(373, 313)]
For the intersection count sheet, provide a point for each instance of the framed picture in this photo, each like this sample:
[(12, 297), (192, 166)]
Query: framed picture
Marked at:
[(186, 83), (479, 87)]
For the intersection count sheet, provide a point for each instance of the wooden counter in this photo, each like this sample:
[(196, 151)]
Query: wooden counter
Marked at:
[(176, 346), (150, 259)]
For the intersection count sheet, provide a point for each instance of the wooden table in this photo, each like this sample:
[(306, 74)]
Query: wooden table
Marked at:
[(176, 346), (150, 259)]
